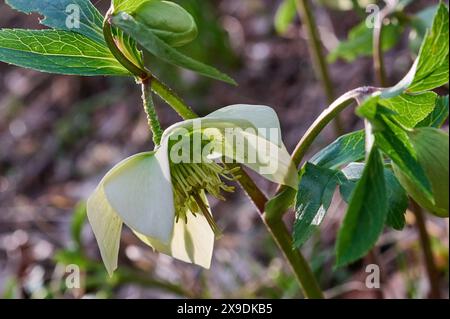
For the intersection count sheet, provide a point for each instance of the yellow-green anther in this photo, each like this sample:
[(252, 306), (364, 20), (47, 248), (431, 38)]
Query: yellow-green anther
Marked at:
[(205, 210), (169, 21), (191, 180)]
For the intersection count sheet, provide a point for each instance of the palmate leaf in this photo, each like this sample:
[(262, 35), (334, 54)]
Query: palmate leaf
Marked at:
[(366, 214), (316, 190), (319, 179), (56, 12), (58, 52), (150, 42), (374, 194)]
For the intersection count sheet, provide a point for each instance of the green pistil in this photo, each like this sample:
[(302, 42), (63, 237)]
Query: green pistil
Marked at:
[(190, 183)]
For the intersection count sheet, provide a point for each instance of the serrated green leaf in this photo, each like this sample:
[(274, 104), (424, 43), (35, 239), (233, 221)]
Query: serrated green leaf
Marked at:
[(59, 52), (437, 78), (285, 15), (430, 69), (411, 109), (366, 214), (57, 12), (434, 52), (439, 115), (347, 148), (150, 42), (360, 42), (316, 189)]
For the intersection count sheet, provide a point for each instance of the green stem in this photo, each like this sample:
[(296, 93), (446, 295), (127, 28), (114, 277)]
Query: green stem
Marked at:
[(252, 190), (172, 99), (325, 118), (318, 59), (299, 265), (425, 243), (378, 57), (285, 196), (148, 81), (149, 108), (282, 237)]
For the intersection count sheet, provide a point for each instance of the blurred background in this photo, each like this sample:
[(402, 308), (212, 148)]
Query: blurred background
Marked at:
[(60, 134)]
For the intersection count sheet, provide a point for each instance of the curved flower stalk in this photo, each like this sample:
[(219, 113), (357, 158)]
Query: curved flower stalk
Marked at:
[(161, 195)]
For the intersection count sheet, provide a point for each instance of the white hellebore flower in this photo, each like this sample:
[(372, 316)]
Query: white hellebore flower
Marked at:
[(160, 195)]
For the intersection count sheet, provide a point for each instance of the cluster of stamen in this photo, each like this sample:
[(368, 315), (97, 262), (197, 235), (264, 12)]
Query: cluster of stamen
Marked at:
[(192, 181)]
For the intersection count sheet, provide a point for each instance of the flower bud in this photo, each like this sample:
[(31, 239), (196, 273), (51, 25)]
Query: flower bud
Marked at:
[(431, 146), (168, 21)]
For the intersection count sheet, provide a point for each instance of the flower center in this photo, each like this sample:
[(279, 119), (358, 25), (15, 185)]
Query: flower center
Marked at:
[(192, 181)]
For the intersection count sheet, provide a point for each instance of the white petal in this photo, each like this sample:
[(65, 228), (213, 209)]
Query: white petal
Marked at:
[(107, 227), (239, 115), (264, 157), (260, 116), (192, 242), (140, 190), (263, 151)]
